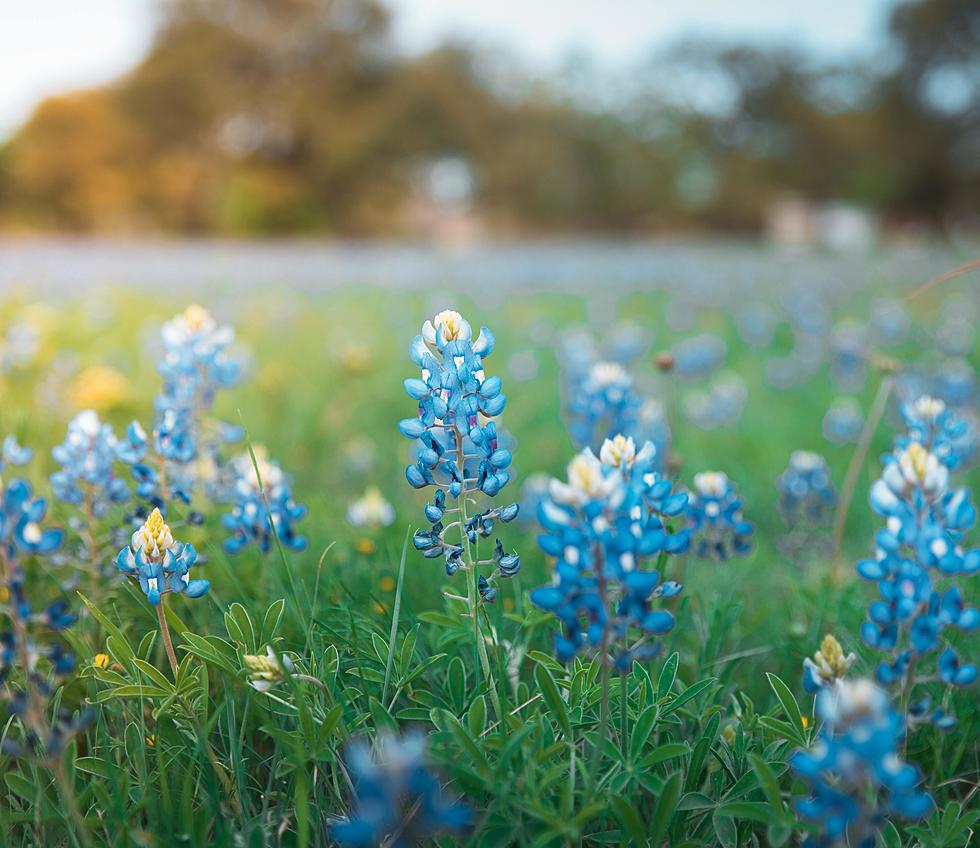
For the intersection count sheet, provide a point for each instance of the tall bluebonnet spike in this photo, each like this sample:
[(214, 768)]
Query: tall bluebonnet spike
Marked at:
[(159, 563), (922, 542), (856, 778), (601, 526), (32, 656), (397, 800), (714, 515), (253, 515), (87, 458), (458, 450), (183, 448)]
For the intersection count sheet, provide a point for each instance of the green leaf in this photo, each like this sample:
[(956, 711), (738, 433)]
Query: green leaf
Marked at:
[(788, 702), (121, 641), (556, 704), (154, 674), (476, 718), (630, 819), (645, 723), (665, 752), (667, 674), (687, 695), (767, 780), (20, 785), (664, 809), (890, 836), (271, 620), (757, 811)]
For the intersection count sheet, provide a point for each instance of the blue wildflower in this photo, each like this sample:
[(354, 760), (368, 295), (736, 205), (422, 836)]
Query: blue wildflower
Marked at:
[(159, 563), (254, 512), (714, 515), (921, 543), (806, 492), (455, 453), (843, 422), (600, 526), (397, 799), (933, 425), (828, 665), (87, 457), (31, 668), (856, 778)]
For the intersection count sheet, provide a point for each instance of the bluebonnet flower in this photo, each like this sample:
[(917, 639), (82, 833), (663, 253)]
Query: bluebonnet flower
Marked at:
[(935, 427), (714, 515), (849, 356), (370, 510), (806, 493), (843, 422), (921, 543), (30, 670), (159, 563), (397, 799), (602, 401), (254, 514), (721, 405), (457, 454), (828, 665), (698, 356), (890, 321), (601, 525), (181, 452), (87, 457), (756, 323), (856, 777)]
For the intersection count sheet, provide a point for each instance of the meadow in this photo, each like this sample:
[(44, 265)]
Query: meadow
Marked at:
[(327, 689)]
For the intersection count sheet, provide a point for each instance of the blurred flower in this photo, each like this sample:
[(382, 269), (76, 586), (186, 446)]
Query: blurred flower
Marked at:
[(806, 492), (255, 513), (159, 563), (714, 515), (828, 665), (87, 456), (98, 388), (370, 510), (854, 771), (397, 800), (843, 422), (698, 356)]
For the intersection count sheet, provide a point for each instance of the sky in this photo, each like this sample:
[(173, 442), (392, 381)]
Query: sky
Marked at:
[(51, 46)]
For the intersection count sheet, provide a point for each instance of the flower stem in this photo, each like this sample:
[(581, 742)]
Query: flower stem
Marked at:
[(61, 778), (624, 709), (854, 470), (165, 632), (473, 592), (603, 725)]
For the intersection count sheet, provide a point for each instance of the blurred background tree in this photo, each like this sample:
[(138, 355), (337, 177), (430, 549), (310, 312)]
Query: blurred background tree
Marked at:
[(299, 116)]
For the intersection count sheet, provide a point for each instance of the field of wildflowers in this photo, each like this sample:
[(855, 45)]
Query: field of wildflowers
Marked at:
[(382, 569)]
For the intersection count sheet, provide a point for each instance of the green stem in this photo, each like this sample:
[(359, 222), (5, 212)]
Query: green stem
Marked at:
[(854, 470), (603, 725), (624, 709), (165, 633), (81, 829), (473, 592)]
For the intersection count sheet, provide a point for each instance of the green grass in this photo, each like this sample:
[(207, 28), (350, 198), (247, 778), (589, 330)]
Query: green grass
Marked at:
[(696, 750)]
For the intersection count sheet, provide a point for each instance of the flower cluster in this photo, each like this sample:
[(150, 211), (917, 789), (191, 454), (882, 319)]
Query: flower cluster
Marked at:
[(714, 515), (807, 495), (854, 772), (828, 665), (370, 510), (262, 505), (920, 545), (87, 458), (29, 669), (456, 453), (159, 563), (397, 799), (265, 671), (181, 452), (601, 401), (601, 525)]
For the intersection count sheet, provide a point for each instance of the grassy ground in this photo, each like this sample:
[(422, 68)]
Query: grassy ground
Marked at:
[(216, 762)]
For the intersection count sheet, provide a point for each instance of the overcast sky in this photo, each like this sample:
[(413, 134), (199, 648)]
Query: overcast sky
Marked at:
[(49, 46)]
